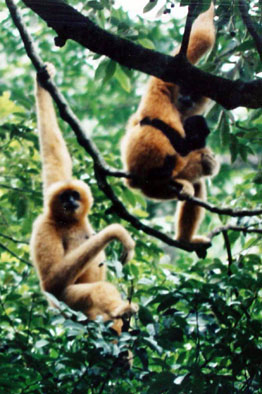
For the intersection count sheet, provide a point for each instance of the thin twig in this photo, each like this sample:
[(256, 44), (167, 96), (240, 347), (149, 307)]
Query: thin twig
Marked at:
[(2, 246), (242, 229), (17, 241), (243, 8), (229, 253), (189, 22), (222, 211), (17, 189)]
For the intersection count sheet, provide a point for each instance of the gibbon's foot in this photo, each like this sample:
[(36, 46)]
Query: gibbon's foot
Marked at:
[(125, 310), (199, 239), (209, 163), (183, 188)]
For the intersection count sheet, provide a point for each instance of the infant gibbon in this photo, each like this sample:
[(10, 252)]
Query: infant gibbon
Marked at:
[(164, 147), (66, 252)]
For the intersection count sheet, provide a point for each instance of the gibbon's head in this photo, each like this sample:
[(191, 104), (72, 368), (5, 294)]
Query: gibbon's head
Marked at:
[(68, 201)]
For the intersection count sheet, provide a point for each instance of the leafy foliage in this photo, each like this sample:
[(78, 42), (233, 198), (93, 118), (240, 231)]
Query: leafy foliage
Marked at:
[(200, 321)]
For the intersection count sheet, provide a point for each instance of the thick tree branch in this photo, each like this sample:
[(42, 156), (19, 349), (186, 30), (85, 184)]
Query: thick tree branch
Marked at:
[(70, 24), (243, 8)]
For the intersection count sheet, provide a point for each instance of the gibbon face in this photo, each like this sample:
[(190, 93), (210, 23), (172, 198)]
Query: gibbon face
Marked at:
[(69, 201)]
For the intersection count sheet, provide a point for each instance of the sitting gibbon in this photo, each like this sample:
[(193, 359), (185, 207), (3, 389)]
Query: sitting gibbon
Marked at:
[(68, 255), (164, 147)]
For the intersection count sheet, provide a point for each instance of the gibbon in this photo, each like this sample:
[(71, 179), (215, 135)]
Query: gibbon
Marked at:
[(68, 255), (164, 146)]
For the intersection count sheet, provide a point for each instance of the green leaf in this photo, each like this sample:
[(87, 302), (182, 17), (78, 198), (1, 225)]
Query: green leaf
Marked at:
[(95, 5), (110, 70), (258, 178), (101, 69), (8, 107), (224, 129), (122, 78), (145, 316), (150, 6), (145, 42), (201, 6)]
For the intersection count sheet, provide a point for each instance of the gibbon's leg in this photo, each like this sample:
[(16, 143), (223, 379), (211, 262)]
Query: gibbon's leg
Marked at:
[(202, 39), (202, 36), (72, 266), (56, 161), (189, 217), (100, 298)]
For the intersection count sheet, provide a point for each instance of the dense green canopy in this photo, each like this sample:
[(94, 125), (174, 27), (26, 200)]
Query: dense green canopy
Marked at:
[(199, 327)]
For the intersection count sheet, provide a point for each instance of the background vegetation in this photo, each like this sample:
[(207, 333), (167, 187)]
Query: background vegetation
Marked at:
[(199, 327)]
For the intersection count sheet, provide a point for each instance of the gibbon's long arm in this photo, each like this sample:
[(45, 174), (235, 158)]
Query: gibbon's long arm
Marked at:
[(67, 269), (56, 161)]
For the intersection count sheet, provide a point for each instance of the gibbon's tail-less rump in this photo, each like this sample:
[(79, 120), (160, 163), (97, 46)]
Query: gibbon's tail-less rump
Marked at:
[(164, 146), (68, 255)]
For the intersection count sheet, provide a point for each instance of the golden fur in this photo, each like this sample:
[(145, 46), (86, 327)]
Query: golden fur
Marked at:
[(145, 149), (66, 252)]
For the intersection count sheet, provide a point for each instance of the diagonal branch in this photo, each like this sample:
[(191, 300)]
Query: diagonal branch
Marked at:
[(70, 24), (2, 246), (243, 8)]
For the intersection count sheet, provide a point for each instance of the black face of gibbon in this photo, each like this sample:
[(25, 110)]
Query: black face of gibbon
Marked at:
[(196, 130), (187, 99), (70, 200)]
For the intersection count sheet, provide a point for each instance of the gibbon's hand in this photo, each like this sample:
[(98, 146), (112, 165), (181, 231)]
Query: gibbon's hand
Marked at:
[(47, 72), (128, 244)]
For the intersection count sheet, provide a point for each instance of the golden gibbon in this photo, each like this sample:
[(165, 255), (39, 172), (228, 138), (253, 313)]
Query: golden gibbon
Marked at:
[(68, 255), (164, 146)]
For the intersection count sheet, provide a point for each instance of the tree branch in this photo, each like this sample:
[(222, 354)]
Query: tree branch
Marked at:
[(243, 8), (2, 246), (17, 241), (221, 211), (229, 253), (189, 22), (70, 24), (230, 227)]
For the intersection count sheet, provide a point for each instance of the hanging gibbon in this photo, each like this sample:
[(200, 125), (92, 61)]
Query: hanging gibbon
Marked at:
[(68, 255), (164, 146)]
